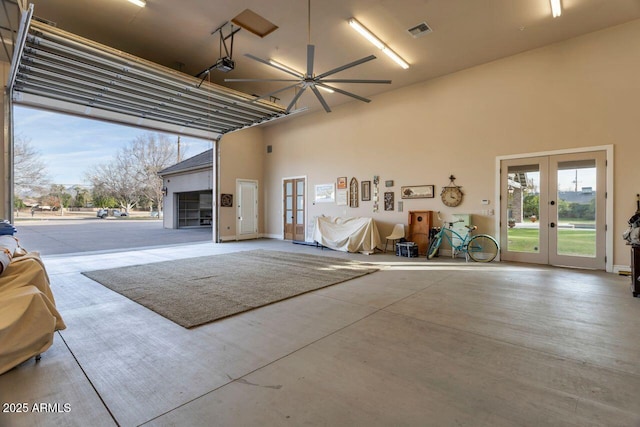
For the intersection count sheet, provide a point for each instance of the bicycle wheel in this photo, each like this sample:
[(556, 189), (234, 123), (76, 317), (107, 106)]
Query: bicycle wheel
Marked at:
[(482, 248), (434, 245)]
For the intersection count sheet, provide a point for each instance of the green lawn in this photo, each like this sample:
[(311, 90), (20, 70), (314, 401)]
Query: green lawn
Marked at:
[(570, 242)]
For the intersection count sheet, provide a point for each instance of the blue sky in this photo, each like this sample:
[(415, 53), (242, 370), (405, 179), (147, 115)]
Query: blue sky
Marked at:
[(71, 145)]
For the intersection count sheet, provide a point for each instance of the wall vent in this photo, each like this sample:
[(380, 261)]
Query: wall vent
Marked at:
[(419, 30)]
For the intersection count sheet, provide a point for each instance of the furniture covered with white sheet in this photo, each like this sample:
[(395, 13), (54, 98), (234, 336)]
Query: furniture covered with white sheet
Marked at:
[(347, 234), (28, 315)]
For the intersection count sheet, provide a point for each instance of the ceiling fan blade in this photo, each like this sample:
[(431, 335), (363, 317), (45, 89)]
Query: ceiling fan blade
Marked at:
[(346, 66), (355, 81), (344, 92), (267, 95), (262, 80), (295, 98), (255, 58), (320, 98), (310, 55)]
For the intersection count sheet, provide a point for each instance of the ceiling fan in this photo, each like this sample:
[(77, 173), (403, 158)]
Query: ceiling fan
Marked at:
[(311, 81)]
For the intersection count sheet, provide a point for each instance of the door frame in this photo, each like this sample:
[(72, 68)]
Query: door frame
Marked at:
[(608, 149), (306, 204), (238, 206)]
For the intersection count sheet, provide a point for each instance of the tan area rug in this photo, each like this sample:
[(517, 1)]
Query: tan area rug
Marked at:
[(194, 291)]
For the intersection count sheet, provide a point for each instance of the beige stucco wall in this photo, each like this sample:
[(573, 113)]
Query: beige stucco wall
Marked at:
[(241, 157), (580, 93)]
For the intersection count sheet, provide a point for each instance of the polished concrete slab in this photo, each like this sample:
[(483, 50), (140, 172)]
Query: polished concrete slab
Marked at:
[(419, 343)]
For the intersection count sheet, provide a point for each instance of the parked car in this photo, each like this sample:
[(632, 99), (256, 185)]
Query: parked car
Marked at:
[(117, 212), (102, 213)]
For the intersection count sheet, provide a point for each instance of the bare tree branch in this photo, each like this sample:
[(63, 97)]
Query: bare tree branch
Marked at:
[(29, 169)]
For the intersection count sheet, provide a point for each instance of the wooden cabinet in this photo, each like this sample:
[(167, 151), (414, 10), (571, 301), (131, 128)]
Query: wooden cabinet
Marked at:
[(418, 230)]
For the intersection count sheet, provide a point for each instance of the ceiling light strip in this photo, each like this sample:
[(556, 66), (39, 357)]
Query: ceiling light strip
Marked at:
[(556, 8), (364, 32), (140, 3)]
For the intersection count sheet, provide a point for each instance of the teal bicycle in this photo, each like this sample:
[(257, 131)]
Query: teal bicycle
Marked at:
[(480, 248)]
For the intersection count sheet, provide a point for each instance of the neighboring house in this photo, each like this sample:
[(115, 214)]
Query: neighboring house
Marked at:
[(188, 188)]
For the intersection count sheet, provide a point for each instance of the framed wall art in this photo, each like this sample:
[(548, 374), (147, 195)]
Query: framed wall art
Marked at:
[(353, 193), (325, 193), (417, 192), (342, 183), (226, 200), (388, 201), (366, 191), (342, 197)]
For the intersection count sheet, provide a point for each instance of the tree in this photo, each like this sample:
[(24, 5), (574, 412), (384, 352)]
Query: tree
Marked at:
[(57, 198), (117, 179), (82, 197), (531, 205), (131, 178), (152, 153), (29, 169)]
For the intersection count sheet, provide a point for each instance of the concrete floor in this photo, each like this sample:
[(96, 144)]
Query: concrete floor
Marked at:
[(55, 236), (435, 343)]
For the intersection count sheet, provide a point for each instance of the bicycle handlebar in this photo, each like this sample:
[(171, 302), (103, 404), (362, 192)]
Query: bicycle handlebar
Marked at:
[(470, 227), (448, 222)]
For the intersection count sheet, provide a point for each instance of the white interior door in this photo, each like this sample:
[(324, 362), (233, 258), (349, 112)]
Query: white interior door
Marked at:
[(553, 209), (247, 223)]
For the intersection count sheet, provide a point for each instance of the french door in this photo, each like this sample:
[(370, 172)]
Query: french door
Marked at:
[(294, 209), (553, 209)]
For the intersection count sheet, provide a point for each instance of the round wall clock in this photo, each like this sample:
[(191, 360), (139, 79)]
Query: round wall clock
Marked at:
[(451, 195)]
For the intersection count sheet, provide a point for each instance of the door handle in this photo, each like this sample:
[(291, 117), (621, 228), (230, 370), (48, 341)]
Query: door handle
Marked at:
[(553, 224), (553, 202)]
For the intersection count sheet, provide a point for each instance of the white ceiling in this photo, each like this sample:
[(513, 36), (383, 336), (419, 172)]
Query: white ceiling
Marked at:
[(177, 34)]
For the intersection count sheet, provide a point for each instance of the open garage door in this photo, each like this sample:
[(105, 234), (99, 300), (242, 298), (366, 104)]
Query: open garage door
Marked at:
[(60, 71), (55, 70)]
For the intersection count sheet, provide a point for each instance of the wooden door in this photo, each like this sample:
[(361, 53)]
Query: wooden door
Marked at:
[(294, 209), (419, 227)]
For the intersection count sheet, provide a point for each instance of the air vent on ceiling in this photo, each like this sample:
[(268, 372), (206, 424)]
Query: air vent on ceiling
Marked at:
[(419, 30)]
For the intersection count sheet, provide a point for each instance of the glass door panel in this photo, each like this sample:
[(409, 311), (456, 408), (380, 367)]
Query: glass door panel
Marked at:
[(523, 208), (576, 214), (577, 210), (521, 204)]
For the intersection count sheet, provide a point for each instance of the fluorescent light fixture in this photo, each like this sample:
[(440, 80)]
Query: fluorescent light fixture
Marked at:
[(556, 8), (141, 3), (284, 67), (287, 68), (391, 54), (377, 43), (366, 33)]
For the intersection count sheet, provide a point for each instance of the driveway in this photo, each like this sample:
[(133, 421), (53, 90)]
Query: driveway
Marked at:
[(53, 237)]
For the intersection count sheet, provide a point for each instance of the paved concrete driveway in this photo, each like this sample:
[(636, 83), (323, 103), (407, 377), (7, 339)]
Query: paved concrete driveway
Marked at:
[(52, 237)]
